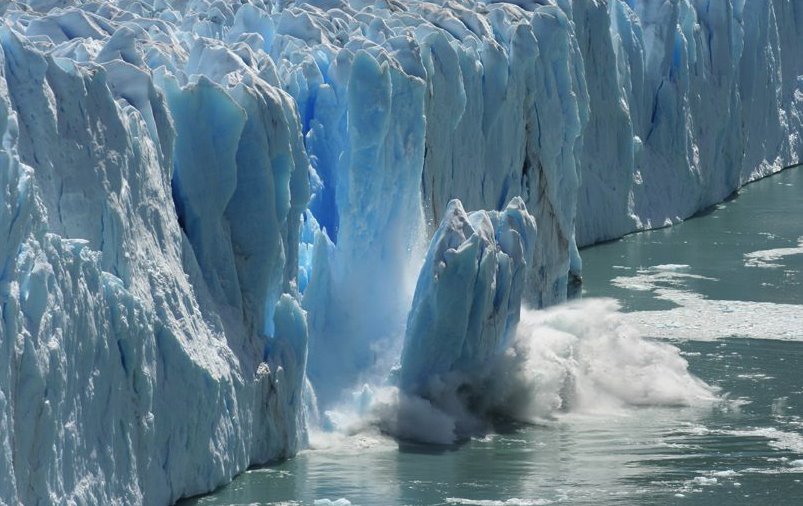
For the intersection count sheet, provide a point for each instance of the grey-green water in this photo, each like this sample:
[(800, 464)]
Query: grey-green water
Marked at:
[(726, 289)]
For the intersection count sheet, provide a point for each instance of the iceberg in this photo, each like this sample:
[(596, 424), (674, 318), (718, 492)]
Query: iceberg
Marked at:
[(218, 217)]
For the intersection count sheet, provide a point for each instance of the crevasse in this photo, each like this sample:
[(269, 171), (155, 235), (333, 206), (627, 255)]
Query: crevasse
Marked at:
[(205, 203)]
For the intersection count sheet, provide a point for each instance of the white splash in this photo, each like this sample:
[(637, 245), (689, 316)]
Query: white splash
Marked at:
[(581, 357)]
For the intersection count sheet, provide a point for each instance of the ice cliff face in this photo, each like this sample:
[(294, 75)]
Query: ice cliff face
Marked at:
[(196, 196), (689, 100), (152, 342)]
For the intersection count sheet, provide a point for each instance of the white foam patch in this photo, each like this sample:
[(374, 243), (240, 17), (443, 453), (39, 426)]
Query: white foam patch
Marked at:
[(698, 318), (671, 267), (352, 437), (768, 259), (728, 473), (491, 502), (773, 470), (704, 481), (755, 377), (277, 473), (328, 502), (778, 439)]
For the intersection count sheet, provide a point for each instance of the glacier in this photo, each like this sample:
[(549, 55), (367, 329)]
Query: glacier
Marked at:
[(220, 217)]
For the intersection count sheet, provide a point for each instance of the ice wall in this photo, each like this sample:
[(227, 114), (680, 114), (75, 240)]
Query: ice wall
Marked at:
[(204, 201), (151, 340), (689, 100), (407, 106), (605, 117)]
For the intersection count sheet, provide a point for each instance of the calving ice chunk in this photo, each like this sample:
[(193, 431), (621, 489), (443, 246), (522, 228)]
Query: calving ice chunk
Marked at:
[(469, 293), (203, 203), (467, 357)]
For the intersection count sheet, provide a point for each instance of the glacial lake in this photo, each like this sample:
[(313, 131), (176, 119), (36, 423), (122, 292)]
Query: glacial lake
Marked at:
[(726, 288)]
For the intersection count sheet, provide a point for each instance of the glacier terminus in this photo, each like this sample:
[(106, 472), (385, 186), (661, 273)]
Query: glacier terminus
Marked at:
[(223, 221)]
